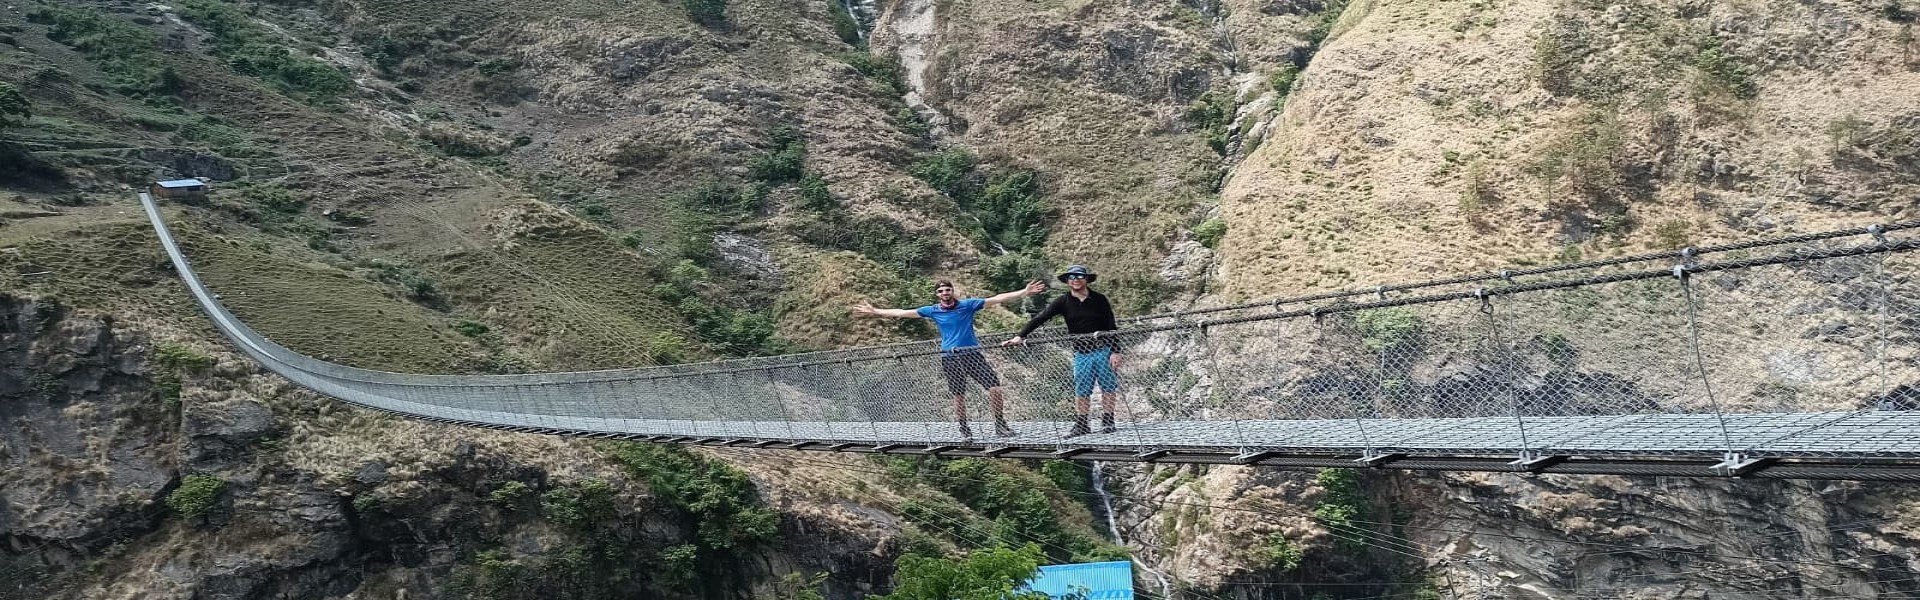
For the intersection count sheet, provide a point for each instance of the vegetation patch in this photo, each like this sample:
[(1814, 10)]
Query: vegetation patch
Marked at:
[(1721, 72), (174, 361), (1387, 329), (708, 13), (995, 574), (1210, 231), (129, 55), (717, 500), (197, 495), (252, 49), (15, 110), (1014, 499)]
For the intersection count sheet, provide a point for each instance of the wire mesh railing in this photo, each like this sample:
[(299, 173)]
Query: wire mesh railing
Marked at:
[(1798, 348)]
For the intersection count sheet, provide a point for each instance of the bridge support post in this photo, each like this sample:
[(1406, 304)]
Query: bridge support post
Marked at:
[(1531, 461), (1373, 458), (1736, 464)]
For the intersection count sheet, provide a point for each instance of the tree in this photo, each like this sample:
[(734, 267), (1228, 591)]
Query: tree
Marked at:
[(15, 110), (996, 574)]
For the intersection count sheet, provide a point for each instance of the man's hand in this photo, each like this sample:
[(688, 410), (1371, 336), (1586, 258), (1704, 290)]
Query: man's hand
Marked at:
[(1036, 286), (1014, 341), (866, 309), (1113, 360)]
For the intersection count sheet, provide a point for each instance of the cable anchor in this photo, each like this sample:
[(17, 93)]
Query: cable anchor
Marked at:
[(1879, 233)]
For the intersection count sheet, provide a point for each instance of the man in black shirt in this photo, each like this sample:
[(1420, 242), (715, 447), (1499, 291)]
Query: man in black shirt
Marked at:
[(1095, 360)]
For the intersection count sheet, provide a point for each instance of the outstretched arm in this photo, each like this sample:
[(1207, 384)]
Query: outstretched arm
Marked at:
[(866, 309), (1052, 310), (1033, 287)]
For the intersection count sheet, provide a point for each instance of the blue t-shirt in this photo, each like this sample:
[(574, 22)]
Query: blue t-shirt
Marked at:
[(956, 325)]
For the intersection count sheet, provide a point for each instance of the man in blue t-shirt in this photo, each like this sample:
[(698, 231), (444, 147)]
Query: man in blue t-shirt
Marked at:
[(960, 357)]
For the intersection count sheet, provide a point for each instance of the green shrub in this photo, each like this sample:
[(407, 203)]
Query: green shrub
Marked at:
[(252, 49), (1008, 272), (510, 495), (1341, 502), (584, 506), (173, 361), (15, 109), (884, 70), (1586, 157), (1209, 232), (708, 13), (815, 196), (196, 496), (180, 357), (1211, 115), (275, 203), (1722, 71), (1672, 234), (1282, 80), (1386, 329), (680, 565), (996, 574), (720, 502), (471, 329), (128, 54), (787, 162), (844, 24), (1004, 212), (946, 171), (1280, 553), (1015, 499)]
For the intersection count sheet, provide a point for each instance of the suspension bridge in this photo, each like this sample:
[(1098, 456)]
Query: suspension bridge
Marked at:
[(1792, 357)]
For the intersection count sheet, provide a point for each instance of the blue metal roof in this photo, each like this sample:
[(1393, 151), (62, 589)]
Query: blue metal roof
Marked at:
[(1099, 581), (181, 183)]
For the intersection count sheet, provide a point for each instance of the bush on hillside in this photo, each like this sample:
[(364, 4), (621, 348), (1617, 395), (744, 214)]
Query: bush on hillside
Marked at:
[(708, 13), (996, 574), (252, 49), (196, 496), (1210, 231), (128, 54), (15, 110)]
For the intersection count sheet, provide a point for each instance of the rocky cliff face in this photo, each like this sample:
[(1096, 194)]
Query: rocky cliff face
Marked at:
[(106, 429)]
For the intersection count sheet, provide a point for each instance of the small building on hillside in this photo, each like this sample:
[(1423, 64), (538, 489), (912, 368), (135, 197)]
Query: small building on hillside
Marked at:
[(1085, 581), (180, 189)]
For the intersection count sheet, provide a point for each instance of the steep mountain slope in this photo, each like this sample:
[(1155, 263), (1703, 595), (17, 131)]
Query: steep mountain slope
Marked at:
[(510, 186)]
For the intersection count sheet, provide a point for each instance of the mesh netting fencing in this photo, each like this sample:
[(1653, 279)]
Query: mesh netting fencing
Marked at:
[(1792, 349)]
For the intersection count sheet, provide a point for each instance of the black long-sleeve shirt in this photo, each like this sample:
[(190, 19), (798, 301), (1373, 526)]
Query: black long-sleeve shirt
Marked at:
[(1082, 317)]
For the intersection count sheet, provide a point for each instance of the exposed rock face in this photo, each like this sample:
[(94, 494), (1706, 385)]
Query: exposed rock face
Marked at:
[(85, 446), (1427, 140), (314, 507)]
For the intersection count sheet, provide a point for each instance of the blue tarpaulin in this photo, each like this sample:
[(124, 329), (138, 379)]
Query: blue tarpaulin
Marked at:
[(1098, 581)]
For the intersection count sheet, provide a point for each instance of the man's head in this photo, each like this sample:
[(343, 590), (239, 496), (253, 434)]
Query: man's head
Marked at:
[(944, 291), (1077, 277)]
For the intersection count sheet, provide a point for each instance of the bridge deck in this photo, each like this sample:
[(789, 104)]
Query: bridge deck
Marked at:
[(1877, 434)]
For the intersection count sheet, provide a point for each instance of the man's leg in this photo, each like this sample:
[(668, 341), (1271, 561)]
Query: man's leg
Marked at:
[(1109, 390), (1107, 400), (1082, 390), (960, 415), (997, 400), (957, 385)]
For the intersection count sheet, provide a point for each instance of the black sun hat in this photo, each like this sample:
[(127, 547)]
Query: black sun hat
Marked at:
[(1078, 270)]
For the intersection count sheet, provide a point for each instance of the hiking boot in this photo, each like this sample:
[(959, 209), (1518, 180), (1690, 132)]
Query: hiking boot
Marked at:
[(966, 433), (1106, 423), (1079, 426), (1000, 428)]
